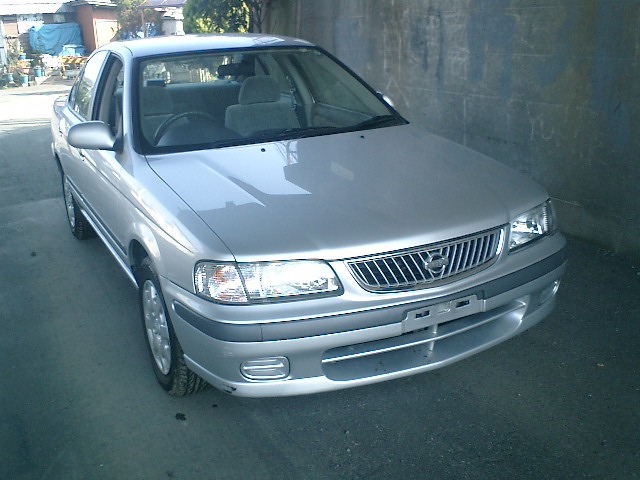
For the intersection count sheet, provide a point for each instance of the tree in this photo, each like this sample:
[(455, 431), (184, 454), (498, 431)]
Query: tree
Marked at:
[(215, 16), (258, 10), (219, 16), (133, 18), (129, 18)]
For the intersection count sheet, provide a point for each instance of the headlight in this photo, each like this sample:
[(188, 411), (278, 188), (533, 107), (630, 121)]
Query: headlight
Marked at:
[(530, 226), (219, 282), (263, 282)]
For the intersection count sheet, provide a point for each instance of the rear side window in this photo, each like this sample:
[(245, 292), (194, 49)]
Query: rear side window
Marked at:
[(81, 98)]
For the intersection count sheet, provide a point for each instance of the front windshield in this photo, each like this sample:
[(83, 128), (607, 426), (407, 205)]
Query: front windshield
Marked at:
[(205, 100)]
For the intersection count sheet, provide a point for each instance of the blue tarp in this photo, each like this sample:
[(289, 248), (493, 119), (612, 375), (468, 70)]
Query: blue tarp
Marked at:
[(51, 38)]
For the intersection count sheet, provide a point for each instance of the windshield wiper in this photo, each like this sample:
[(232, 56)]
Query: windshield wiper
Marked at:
[(292, 133), (377, 121), (302, 132), (309, 131)]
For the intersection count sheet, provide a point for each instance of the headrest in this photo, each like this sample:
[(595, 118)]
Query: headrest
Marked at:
[(259, 89), (155, 82)]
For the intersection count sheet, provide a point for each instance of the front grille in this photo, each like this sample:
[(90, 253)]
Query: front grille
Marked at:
[(429, 265)]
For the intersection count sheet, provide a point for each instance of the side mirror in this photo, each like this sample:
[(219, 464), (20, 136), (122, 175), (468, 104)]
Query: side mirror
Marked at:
[(91, 136)]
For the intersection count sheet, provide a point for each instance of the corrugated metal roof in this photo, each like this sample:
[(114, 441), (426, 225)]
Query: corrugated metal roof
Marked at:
[(32, 7), (164, 3)]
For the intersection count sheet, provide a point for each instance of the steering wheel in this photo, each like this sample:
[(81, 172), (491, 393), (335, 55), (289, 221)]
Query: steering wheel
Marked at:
[(169, 122)]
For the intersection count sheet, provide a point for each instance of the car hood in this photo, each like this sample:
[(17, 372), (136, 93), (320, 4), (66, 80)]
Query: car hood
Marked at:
[(345, 195)]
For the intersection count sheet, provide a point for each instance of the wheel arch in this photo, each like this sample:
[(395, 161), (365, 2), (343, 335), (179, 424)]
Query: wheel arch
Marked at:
[(137, 253), (56, 158)]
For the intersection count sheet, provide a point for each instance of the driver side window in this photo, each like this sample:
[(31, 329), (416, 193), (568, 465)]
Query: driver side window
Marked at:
[(82, 96), (109, 107)]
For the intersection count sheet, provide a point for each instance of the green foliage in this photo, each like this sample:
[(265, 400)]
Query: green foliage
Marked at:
[(216, 16), (13, 51), (128, 15), (131, 16)]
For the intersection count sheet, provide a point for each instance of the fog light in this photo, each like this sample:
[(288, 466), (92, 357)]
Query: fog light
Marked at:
[(549, 292), (271, 368)]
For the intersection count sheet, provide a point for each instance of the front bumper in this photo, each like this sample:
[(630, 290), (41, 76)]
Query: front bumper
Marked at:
[(366, 345)]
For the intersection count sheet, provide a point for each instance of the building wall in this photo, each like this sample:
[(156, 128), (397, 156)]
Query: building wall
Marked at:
[(84, 17), (550, 87), (10, 26), (98, 25), (105, 25)]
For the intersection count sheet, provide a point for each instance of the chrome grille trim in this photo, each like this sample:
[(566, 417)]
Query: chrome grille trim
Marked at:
[(429, 265)]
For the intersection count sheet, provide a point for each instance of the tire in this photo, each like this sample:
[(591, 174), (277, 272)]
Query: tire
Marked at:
[(167, 357), (78, 223)]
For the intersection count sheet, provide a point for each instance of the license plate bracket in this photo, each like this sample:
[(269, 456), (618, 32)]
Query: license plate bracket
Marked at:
[(440, 313)]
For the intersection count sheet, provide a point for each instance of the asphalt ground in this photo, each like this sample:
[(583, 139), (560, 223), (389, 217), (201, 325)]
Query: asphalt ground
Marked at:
[(78, 399)]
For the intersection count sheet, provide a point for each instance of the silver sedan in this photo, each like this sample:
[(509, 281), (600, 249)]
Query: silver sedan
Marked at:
[(289, 232)]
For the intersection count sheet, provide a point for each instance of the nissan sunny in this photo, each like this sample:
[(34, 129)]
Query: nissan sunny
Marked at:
[(288, 231)]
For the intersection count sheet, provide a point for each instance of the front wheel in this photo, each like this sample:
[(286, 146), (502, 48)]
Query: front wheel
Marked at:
[(166, 353), (79, 225)]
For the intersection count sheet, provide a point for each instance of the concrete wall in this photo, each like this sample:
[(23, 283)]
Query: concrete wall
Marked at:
[(550, 87)]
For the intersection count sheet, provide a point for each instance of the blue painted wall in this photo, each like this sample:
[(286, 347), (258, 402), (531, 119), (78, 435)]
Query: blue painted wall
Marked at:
[(550, 87)]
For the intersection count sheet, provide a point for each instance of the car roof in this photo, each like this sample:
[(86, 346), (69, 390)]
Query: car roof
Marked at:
[(192, 43)]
